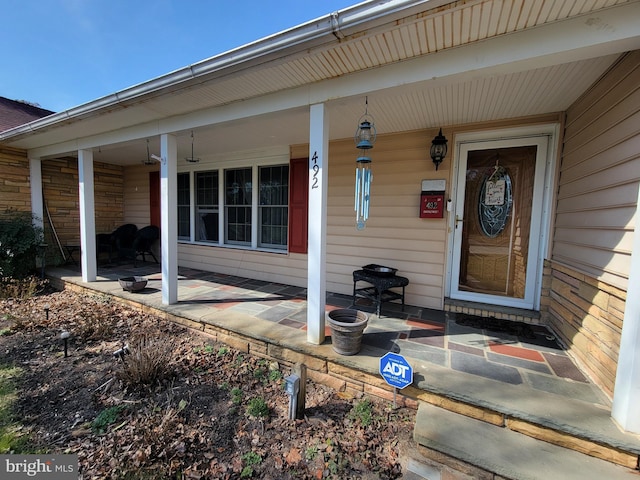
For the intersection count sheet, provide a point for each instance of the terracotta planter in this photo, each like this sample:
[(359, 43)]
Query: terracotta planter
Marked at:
[(347, 327)]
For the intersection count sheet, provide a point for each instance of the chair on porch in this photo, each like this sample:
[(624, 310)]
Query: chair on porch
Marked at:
[(120, 241), (103, 245), (143, 242)]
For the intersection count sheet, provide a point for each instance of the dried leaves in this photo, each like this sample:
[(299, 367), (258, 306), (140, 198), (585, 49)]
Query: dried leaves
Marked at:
[(193, 423)]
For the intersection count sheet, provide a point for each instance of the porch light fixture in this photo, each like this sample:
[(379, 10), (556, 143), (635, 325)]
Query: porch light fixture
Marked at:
[(364, 138), (192, 158), (438, 148)]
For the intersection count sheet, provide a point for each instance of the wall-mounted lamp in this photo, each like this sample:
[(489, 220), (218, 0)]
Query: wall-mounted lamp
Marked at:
[(192, 158), (438, 148), (365, 137)]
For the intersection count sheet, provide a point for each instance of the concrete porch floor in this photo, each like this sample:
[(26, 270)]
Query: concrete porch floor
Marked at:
[(501, 376)]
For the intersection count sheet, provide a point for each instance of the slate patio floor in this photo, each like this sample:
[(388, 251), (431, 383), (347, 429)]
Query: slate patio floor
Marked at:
[(510, 353)]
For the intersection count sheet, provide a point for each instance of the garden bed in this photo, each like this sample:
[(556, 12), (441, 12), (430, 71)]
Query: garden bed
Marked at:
[(208, 411)]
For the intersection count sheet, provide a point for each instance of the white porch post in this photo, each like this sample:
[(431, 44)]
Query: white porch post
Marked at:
[(87, 216), (35, 183), (626, 394), (316, 263), (168, 218), (37, 202)]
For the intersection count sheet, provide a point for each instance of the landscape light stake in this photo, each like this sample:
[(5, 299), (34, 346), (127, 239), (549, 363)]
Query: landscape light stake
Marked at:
[(292, 387), (46, 311), (120, 353), (65, 338)]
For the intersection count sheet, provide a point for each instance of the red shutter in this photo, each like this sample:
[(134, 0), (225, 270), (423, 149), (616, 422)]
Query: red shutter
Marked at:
[(298, 204), (154, 198)]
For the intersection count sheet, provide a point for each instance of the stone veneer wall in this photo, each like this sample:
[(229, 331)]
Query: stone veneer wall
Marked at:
[(61, 196), (15, 192), (60, 187), (587, 316)]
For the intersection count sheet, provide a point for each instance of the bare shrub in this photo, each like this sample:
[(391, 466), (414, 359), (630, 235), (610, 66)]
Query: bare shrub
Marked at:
[(21, 288), (148, 362)]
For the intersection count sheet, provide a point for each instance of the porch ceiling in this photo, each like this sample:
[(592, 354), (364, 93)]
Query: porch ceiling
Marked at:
[(357, 43)]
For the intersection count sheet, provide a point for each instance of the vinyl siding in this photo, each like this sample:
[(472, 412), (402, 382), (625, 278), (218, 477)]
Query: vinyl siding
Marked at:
[(136, 194), (599, 176), (395, 235), (586, 279)]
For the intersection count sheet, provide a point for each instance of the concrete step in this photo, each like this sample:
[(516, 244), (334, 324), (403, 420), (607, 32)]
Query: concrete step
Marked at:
[(473, 448), (567, 422)]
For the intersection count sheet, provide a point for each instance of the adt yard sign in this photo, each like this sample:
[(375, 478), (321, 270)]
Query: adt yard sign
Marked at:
[(396, 370)]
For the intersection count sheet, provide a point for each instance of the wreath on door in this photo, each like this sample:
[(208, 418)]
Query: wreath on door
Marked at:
[(495, 201)]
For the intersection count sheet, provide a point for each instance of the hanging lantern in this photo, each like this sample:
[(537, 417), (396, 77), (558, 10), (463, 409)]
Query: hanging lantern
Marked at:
[(364, 138)]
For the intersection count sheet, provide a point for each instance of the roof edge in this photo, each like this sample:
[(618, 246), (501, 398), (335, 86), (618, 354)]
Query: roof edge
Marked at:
[(337, 25)]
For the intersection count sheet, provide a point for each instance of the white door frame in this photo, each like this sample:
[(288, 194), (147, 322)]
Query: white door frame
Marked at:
[(546, 136)]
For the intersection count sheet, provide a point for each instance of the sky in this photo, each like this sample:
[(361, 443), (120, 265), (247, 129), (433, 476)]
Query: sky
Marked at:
[(59, 54)]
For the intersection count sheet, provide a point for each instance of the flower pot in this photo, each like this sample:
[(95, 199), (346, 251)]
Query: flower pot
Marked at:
[(347, 327)]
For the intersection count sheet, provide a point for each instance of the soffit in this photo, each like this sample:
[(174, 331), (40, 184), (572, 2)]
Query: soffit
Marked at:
[(448, 26)]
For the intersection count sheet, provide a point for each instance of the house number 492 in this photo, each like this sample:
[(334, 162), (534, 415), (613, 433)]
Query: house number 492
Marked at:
[(316, 169)]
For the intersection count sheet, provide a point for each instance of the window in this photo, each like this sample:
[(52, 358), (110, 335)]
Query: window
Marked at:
[(207, 210), (238, 187), (199, 206), (184, 217), (273, 211)]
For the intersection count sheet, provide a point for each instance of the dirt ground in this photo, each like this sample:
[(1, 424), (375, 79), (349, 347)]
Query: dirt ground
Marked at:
[(207, 412)]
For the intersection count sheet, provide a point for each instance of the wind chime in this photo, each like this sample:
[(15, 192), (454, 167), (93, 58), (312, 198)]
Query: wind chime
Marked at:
[(364, 138)]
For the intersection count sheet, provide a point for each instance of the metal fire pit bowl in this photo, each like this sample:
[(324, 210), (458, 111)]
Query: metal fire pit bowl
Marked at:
[(380, 270), (133, 284)]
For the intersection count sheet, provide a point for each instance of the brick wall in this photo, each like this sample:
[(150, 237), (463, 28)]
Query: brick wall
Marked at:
[(587, 315)]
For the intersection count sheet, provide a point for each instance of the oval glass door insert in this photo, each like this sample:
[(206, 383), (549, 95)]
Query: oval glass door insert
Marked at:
[(494, 204)]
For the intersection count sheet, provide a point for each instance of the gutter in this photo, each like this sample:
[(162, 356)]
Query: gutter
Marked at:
[(329, 28)]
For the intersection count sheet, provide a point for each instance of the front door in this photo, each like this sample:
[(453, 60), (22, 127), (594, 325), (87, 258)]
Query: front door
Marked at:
[(498, 221)]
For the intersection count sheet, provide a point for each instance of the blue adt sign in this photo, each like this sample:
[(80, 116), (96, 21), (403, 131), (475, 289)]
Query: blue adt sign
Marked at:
[(395, 370)]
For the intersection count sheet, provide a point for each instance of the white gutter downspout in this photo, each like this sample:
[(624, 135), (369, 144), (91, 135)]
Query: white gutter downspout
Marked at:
[(335, 25)]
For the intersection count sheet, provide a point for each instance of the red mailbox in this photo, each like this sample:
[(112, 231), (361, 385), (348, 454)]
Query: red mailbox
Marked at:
[(432, 205), (432, 198)]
